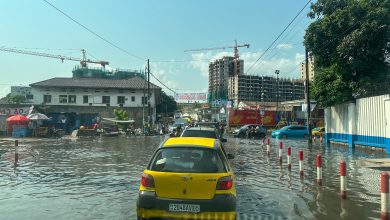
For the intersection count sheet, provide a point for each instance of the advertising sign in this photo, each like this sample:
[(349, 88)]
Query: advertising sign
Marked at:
[(191, 97), (15, 111), (242, 117)]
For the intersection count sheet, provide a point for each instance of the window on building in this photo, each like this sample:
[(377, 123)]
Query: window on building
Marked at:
[(29, 96), (85, 99), (46, 98), (106, 99), (63, 99), (121, 100), (144, 100), (72, 99), (133, 98)]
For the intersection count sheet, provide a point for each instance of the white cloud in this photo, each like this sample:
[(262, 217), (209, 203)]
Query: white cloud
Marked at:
[(161, 72), (201, 61), (284, 46), (289, 67)]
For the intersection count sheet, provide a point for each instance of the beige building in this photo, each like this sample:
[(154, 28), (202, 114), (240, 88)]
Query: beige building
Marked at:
[(311, 69), (221, 78)]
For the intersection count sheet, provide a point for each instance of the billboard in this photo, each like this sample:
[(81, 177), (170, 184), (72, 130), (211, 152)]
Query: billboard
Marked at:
[(242, 117), (191, 97), (15, 111)]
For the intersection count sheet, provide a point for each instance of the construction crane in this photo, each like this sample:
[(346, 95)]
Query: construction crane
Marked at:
[(83, 61), (235, 73)]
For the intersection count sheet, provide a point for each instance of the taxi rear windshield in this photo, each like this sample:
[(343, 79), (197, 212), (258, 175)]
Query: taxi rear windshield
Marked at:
[(199, 133), (188, 160)]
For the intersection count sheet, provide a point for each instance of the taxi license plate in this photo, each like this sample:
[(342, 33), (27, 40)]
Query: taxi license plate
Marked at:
[(184, 208)]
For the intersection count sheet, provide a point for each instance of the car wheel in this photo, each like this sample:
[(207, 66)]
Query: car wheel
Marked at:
[(305, 136), (284, 136)]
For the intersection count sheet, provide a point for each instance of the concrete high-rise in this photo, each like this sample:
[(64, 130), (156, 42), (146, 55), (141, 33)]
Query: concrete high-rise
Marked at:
[(221, 75)]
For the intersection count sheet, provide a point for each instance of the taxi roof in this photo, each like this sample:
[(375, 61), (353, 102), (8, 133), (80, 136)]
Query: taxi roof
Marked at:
[(190, 141)]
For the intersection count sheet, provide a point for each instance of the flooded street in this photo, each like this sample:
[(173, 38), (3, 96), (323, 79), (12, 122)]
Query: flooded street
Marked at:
[(99, 178)]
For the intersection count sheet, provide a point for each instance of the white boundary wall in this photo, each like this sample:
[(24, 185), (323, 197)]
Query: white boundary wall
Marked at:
[(366, 122)]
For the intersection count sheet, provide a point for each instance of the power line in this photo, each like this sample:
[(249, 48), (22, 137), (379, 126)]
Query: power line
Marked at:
[(178, 61), (162, 83), (278, 36), (94, 33)]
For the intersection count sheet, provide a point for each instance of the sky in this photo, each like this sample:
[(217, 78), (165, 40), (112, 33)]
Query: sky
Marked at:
[(157, 30)]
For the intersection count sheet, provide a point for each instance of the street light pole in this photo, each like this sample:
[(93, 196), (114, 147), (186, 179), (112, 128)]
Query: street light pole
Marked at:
[(277, 89), (308, 109)]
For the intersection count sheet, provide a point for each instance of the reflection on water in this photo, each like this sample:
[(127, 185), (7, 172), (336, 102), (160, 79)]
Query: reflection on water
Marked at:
[(98, 179)]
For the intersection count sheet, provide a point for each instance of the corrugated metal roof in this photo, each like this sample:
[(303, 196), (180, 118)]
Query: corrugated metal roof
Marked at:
[(132, 83)]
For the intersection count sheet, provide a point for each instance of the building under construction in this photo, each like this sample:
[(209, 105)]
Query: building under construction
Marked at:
[(250, 87), (221, 75)]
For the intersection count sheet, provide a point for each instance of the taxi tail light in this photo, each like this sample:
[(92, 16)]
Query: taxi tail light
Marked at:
[(147, 180), (225, 183)]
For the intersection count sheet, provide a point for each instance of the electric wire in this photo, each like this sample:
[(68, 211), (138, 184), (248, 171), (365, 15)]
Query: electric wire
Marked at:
[(269, 47), (105, 40), (94, 33), (174, 92)]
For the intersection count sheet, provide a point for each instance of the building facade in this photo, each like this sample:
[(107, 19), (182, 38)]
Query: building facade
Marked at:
[(311, 69), (269, 89), (221, 78), (224, 86), (86, 98)]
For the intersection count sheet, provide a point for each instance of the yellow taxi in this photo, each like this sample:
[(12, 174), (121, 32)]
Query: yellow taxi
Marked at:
[(188, 178), (319, 131)]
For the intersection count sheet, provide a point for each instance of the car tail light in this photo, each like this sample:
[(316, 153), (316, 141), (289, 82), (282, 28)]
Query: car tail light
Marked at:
[(224, 183), (147, 180)]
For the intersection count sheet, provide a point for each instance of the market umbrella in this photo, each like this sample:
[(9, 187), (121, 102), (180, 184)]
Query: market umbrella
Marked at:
[(17, 118), (37, 116)]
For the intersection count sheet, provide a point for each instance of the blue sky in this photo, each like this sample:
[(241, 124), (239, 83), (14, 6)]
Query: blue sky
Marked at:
[(158, 30)]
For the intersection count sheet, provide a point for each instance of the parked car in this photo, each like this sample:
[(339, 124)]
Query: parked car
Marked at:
[(207, 124), (291, 131), (242, 132), (318, 131), (188, 178), (175, 125), (203, 132)]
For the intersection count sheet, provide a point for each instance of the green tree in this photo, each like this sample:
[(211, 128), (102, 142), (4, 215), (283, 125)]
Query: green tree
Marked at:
[(349, 40), (17, 99), (121, 114), (168, 104)]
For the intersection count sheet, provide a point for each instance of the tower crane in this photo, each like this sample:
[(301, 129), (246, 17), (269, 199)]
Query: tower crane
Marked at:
[(83, 61), (236, 46)]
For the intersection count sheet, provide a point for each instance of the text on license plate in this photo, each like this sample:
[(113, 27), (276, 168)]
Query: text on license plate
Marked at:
[(184, 208)]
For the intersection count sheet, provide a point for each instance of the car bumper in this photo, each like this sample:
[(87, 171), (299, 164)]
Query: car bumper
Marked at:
[(222, 206)]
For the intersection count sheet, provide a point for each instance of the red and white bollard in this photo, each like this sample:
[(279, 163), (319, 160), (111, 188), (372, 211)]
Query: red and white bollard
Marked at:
[(384, 195), (280, 151), (262, 142), (289, 158), (301, 163), (319, 170), (16, 151), (314, 137), (268, 146), (343, 180), (321, 138)]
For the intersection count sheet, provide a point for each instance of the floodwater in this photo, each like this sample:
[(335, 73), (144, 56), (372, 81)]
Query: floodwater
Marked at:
[(98, 178)]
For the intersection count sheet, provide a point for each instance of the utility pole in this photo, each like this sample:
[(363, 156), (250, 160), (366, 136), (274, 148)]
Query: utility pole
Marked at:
[(307, 95), (149, 110), (277, 89), (143, 104)]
